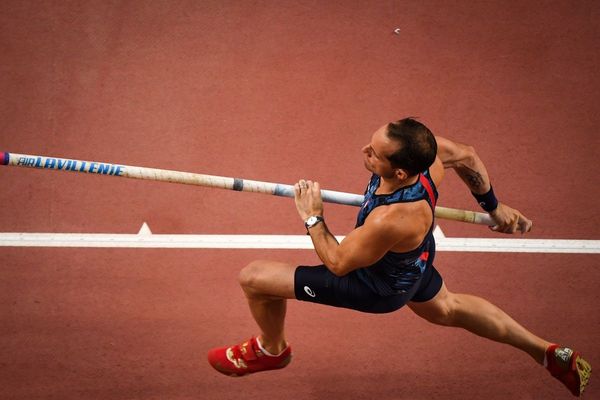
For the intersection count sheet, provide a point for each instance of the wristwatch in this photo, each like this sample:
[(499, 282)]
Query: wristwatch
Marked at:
[(312, 221)]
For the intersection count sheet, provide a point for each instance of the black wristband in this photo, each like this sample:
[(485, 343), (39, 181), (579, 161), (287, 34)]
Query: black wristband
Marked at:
[(487, 201)]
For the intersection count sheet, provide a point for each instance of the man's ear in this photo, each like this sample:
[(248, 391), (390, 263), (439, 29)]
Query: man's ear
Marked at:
[(401, 174)]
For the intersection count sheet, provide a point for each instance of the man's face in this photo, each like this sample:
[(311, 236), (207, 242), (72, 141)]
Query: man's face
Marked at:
[(377, 151)]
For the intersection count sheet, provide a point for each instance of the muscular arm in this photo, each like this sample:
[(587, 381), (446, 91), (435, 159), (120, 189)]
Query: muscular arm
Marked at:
[(469, 167), (361, 247), (467, 164)]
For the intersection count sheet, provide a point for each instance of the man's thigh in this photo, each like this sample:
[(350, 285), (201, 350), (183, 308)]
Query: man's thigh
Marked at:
[(317, 284), (268, 278), (436, 309)]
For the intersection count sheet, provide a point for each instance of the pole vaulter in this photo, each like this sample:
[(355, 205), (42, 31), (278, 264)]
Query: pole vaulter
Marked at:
[(221, 182)]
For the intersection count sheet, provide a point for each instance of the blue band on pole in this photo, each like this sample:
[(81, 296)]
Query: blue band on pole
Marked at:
[(5, 158), (238, 184)]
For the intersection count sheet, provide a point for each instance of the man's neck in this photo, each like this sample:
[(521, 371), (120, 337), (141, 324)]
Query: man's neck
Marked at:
[(387, 186)]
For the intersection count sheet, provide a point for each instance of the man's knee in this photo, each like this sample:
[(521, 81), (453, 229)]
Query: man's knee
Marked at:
[(261, 277), (250, 274), (267, 278)]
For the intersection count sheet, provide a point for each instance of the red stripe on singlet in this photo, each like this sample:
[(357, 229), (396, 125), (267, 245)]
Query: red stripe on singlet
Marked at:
[(428, 188)]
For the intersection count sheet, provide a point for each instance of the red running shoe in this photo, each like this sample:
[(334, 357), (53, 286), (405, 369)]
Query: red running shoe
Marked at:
[(247, 358), (568, 367)]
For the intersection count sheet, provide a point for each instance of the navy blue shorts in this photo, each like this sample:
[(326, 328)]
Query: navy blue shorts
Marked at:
[(318, 285)]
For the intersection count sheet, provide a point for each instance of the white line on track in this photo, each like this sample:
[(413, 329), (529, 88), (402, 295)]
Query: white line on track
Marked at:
[(145, 239)]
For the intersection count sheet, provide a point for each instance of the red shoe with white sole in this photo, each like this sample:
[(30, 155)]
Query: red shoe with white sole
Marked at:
[(246, 358), (568, 367)]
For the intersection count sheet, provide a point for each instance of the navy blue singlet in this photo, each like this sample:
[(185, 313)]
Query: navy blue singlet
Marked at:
[(397, 272)]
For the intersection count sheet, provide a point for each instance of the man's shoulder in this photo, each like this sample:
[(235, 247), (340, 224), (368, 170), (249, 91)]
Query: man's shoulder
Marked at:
[(401, 216), (406, 224)]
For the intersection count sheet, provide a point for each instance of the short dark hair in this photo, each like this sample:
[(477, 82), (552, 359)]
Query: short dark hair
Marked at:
[(418, 147)]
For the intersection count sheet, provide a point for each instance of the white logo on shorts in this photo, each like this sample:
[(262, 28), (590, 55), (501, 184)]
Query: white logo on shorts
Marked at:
[(309, 291)]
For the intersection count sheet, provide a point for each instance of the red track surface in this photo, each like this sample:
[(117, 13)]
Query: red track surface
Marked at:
[(271, 92)]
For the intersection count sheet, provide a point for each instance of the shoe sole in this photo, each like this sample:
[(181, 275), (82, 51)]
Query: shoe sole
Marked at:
[(584, 369), (240, 374)]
